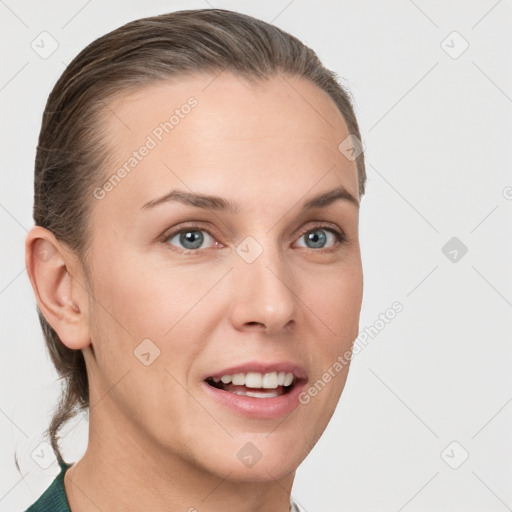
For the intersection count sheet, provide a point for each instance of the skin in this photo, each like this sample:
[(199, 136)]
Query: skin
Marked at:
[(157, 441)]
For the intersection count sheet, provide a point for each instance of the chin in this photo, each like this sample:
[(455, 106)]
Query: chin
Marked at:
[(259, 457), (271, 467)]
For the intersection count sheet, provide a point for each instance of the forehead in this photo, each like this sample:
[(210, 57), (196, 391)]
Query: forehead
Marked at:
[(218, 134), (219, 91)]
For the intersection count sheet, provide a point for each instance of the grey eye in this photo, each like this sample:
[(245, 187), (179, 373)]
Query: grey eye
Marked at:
[(317, 238), (189, 239)]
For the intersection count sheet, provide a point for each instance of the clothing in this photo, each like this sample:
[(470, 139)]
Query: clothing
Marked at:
[(294, 507), (54, 499)]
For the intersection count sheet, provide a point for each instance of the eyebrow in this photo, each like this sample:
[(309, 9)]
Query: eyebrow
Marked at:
[(220, 204)]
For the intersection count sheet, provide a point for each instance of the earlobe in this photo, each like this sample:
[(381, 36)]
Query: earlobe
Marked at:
[(51, 268)]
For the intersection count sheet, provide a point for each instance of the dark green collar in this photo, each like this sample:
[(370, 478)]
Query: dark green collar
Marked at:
[(54, 498)]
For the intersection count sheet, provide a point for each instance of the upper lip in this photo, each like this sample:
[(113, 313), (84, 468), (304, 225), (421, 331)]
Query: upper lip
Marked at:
[(261, 367)]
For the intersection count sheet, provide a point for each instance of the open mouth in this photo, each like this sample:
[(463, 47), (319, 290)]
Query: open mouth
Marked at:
[(254, 384)]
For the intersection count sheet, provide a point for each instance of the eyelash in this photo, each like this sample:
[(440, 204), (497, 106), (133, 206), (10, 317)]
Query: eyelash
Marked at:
[(339, 235)]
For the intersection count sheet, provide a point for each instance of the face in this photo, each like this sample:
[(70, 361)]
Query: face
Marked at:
[(212, 319)]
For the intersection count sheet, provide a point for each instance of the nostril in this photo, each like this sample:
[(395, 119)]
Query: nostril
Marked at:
[(255, 324)]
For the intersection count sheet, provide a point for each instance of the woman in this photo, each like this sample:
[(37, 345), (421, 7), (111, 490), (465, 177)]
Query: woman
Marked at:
[(196, 262)]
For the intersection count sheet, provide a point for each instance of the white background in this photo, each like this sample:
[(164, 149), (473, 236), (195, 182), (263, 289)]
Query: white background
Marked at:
[(438, 136)]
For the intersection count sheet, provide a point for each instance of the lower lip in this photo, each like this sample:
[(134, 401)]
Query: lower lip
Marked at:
[(252, 407)]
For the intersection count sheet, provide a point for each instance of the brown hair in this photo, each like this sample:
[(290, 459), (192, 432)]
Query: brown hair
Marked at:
[(71, 152)]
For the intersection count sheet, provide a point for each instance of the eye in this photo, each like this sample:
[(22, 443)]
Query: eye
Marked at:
[(194, 239), (317, 238), (190, 239)]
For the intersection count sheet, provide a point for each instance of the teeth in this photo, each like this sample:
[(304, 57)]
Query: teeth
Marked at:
[(258, 394), (270, 380), (288, 379), (258, 380), (253, 380), (238, 379)]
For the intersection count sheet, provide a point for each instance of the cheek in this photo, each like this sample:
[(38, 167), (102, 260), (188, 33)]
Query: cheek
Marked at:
[(335, 299), (147, 302), (336, 302), (168, 305), (130, 305)]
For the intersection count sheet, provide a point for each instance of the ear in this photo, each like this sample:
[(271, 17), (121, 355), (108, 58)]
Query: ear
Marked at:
[(57, 278)]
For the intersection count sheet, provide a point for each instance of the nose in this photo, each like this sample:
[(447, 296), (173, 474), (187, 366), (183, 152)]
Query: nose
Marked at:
[(265, 297)]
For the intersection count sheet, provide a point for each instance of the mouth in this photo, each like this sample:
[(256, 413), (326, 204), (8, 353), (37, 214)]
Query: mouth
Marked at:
[(257, 390), (255, 384)]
